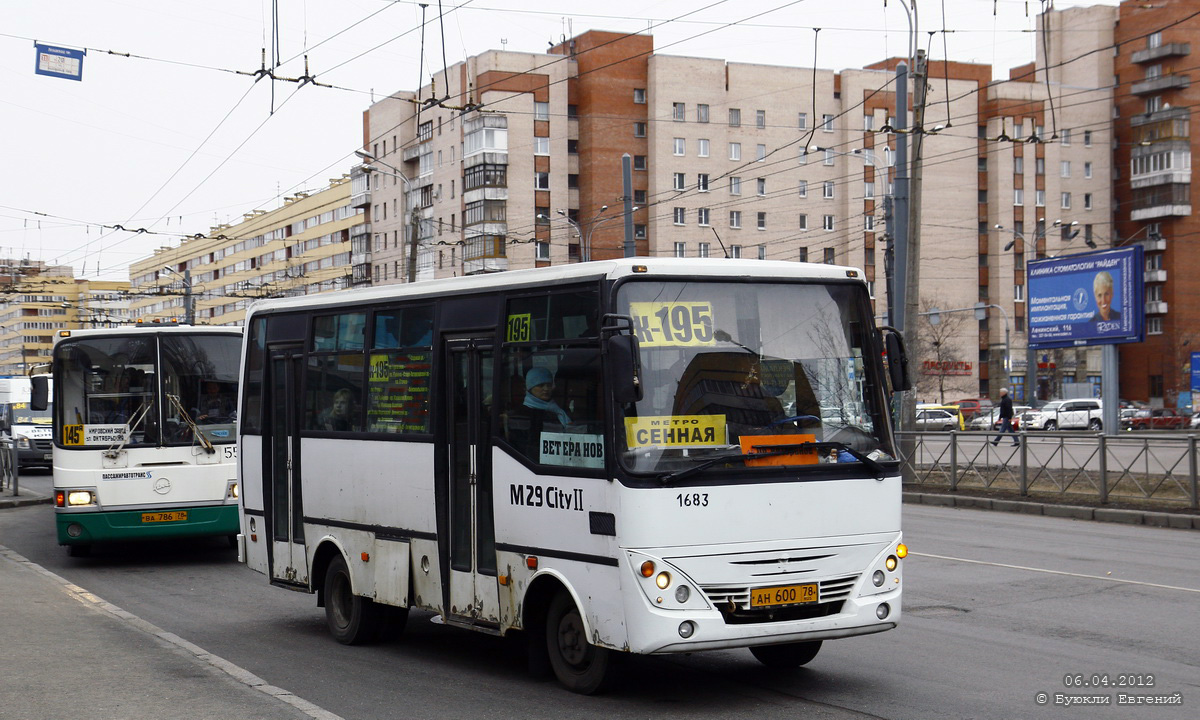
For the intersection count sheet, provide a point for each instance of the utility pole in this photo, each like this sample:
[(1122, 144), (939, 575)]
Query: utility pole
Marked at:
[(627, 183), (414, 230), (189, 303), (912, 267)]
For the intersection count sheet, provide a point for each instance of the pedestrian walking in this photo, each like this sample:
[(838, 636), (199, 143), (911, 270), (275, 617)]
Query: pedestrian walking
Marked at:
[(1006, 418)]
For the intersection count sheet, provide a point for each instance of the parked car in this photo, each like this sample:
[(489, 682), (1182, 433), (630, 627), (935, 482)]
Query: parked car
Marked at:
[(1195, 423), (971, 407), (1158, 419), (989, 419), (1080, 414), (937, 419)]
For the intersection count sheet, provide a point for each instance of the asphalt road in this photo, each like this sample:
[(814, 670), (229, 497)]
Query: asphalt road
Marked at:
[(998, 608)]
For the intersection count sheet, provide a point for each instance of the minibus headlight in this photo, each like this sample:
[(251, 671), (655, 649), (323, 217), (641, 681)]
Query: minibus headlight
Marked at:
[(891, 562), (232, 491), (22, 442), (80, 497), (662, 580)]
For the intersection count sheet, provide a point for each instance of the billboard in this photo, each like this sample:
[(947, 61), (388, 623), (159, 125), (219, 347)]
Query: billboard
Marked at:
[(1091, 298)]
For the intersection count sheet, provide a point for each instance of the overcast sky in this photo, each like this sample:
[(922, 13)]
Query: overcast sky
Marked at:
[(163, 133)]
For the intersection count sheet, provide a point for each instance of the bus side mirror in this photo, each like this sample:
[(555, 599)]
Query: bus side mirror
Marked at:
[(39, 396), (624, 368), (897, 360)]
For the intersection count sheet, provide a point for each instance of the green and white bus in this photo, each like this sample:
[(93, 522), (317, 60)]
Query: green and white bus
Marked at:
[(145, 435), (640, 456)]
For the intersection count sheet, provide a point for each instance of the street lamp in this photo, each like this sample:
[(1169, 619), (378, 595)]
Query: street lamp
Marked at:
[(585, 238), (414, 222), (189, 305)]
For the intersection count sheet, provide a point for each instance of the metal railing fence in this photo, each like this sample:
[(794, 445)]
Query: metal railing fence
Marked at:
[(8, 466), (1125, 468)]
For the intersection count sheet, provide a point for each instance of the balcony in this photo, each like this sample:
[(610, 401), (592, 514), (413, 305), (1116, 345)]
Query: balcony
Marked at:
[(1156, 308), (1159, 84), (1162, 51), (1161, 201), (1154, 244), (1156, 276)]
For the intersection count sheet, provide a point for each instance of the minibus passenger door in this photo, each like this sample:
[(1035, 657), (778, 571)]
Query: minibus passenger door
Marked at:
[(285, 507), (474, 595)]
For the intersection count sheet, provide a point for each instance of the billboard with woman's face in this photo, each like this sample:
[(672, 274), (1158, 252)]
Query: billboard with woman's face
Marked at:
[(1086, 299)]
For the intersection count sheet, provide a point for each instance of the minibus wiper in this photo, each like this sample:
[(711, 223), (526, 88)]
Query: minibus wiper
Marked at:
[(871, 465)]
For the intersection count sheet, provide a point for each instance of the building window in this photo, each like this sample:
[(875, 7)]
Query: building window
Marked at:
[(703, 249), (1018, 293), (760, 119), (830, 256), (1066, 136), (803, 221), (1018, 166), (702, 182), (1087, 201), (702, 216), (639, 129), (639, 232), (1087, 138), (868, 190), (1156, 386), (1064, 169), (827, 189), (803, 257), (735, 117), (829, 156), (762, 186), (868, 122), (1039, 166), (541, 110), (680, 249), (680, 214), (1154, 40), (702, 147), (702, 113), (1154, 325), (827, 222), (869, 222), (760, 152), (679, 181), (762, 252), (735, 185), (1066, 201), (1087, 169), (762, 221), (803, 188), (827, 123), (678, 147), (1039, 198), (735, 219), (803, 122), (542, 250), (541, 180), (735, 251), (735, 151), (639, 162), (573, 147), (678, 112), (639, 96), (541, 146), (639, 197), (542, 216)]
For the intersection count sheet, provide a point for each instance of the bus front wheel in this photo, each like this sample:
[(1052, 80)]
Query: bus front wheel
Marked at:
[(352, 619), (580, 666), (791, 655)]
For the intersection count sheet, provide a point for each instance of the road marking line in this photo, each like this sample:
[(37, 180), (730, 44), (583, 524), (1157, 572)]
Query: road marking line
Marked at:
[(1055, 572)]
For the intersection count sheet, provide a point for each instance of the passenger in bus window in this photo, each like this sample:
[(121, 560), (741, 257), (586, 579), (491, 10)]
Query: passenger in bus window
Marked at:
[(539, 394), (338, 416)]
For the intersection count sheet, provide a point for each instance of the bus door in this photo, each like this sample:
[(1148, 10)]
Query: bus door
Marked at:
[(285, 511), (474, 595)]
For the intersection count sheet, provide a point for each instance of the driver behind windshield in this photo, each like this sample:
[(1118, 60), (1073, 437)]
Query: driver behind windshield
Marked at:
[(214, 405)]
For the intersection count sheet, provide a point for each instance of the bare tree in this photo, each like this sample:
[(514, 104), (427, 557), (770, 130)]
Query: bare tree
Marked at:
[(939, 351)]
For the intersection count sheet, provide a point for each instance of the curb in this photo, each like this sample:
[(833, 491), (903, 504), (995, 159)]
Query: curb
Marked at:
[(1076, 512), (24, 500)]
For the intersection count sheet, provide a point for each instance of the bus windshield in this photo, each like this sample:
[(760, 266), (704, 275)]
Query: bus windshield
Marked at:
[(728, 367), (144, 389)]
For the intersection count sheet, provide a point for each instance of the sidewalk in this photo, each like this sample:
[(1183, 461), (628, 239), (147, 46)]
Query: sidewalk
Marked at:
[(67, 653)]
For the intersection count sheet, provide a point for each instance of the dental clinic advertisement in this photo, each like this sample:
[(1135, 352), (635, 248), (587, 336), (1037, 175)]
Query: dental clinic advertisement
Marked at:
[(1086, 299)]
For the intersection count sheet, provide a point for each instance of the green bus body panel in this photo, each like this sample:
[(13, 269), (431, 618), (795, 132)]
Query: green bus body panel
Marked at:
[(128, 525)]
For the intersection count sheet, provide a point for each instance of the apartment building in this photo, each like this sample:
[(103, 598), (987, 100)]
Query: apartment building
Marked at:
[(302, 247), (1153, 191), (37, 300)]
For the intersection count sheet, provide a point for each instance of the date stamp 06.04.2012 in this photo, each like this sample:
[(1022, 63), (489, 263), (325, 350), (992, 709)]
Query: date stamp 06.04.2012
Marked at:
[(1109, 689)]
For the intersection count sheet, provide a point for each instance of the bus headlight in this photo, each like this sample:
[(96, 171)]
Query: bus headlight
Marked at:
[(682, 593), (891, 562), (22, 442), (662, 580), (231, 492), (76, 498)]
